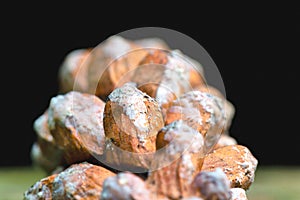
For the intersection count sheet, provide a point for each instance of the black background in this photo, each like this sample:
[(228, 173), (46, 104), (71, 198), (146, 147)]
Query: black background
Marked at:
[(256, 50)]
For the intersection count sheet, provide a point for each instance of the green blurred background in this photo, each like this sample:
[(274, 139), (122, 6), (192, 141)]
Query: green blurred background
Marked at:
[(271, 183)]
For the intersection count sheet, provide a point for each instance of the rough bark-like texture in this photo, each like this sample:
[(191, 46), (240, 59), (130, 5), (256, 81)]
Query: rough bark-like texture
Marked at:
[(229, 109), (212, 185), (76, 124), (78, 182), (238, 194), (132, 120), (181, 159), (202, 112), (41, 190), (236, 161), (125, 186)]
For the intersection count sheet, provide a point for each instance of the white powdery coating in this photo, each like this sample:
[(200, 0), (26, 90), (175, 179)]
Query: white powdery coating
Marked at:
[(124, 186), (116, 46), (247, 167), (192, 114), (209, 103), (84, 113), (176, 79), (162, 91), (132, 101), (188, 170), (182, 138), (236, 161), (113, 187), (176, 63), (250, 167), (61, 183), (219, 174), (74, 104), (40, 190), (54, 110), (190, 63), (238, 194), (213, 183)]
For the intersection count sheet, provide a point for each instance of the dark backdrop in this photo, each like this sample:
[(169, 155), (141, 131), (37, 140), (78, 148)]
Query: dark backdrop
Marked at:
[(256, 51)]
